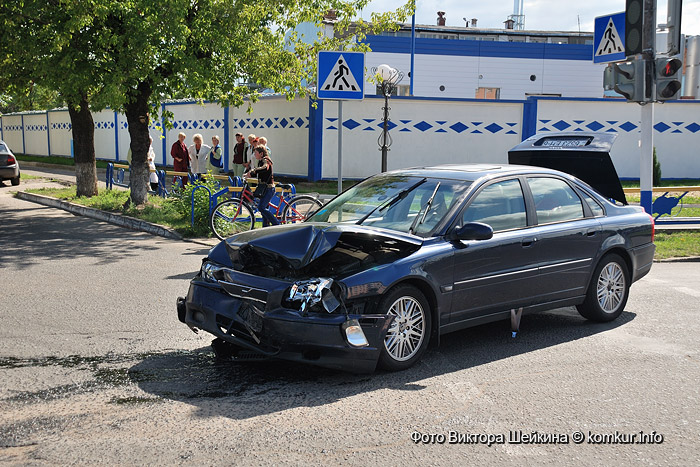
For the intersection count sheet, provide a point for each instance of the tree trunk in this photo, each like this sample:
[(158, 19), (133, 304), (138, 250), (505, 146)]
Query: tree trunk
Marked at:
[(83, 148), (137, 117)]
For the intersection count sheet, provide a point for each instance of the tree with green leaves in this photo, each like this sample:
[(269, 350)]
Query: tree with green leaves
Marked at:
[(139, 52), (57, 44)]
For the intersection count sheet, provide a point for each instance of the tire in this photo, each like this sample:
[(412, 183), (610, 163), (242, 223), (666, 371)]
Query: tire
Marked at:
[(230, 217), (408, 336), (300, 208), (608, 290), (15, 181)]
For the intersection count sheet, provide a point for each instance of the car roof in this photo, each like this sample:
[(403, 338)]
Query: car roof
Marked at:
[(472, 172)]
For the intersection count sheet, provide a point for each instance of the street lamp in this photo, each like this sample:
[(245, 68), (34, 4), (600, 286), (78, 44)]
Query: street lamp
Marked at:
[(388, 79)]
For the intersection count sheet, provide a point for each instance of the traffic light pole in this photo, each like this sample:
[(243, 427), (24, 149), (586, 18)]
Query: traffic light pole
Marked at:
[(646, 158)]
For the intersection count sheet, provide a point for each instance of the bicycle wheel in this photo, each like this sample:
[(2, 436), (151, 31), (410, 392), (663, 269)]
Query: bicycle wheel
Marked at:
[(230, 217), (299, 208)]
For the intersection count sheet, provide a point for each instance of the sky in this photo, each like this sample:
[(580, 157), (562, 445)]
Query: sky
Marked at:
[(547, 15)]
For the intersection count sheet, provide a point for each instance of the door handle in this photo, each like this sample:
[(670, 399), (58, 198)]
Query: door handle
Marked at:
[(528, 242), (591, 233)]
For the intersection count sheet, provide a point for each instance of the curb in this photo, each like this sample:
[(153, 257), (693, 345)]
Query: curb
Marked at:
[(112, 218), (680, 259)]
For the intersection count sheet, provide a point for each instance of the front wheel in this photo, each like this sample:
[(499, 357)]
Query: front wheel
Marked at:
[(608, 291), (230, 217), (300, 208), (409, 333)]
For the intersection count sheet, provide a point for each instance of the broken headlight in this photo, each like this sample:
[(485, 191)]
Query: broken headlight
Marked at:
[(313, 294), (210, 271)]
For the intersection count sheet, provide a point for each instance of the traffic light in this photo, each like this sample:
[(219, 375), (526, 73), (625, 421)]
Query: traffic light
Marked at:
[(634, 19), (668, 80), (629, 79)]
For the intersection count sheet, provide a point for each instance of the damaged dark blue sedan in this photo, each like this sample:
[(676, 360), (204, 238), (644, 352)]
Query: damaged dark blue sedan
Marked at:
[(403, 257)]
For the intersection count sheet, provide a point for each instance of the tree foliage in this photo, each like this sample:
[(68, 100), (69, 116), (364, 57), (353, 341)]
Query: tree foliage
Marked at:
[(130, 55)]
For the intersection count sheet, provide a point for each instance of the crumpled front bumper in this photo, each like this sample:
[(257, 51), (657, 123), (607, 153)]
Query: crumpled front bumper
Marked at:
[(273, 331)]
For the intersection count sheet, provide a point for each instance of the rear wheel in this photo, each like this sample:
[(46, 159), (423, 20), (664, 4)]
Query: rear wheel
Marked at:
[(608, 291), (409, 333), (300, 208), (231, 217), (15, 181)]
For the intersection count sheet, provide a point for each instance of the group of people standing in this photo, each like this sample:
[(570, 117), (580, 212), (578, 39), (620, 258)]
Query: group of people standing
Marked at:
[(199, 158), (251, 158)]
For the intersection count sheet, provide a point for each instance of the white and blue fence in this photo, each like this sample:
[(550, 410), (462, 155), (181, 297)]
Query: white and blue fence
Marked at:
[(303, 137)]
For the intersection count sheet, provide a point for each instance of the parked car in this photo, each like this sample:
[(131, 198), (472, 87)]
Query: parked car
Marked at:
[(403, 257), (9, 167)]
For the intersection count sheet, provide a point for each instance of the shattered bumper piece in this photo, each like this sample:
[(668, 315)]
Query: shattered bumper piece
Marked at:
[(270, 330)]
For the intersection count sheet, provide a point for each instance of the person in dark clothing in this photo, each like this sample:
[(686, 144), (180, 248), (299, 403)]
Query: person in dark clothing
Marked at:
[(263, 171), (240, 155), (180, 156)]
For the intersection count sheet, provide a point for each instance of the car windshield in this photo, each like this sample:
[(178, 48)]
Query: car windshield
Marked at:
[(409, 204), (3, 148)]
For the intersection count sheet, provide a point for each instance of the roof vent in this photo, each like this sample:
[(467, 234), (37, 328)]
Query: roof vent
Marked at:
[(441, 18)]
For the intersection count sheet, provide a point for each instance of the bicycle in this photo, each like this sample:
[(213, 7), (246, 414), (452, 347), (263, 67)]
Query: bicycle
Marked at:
[(234, 215)]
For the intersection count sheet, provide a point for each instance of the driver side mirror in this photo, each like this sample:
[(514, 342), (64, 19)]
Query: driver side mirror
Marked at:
[(472, 231)]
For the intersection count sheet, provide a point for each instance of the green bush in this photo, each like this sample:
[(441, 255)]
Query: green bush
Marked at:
[(656, 174), (182, 200)]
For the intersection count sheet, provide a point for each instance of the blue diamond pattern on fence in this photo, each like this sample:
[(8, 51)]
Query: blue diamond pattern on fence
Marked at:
[(561, 125), (494, 128), (693, 127), (351, 124), (595, 126), (284, 122), (423, 126), (459, 127), (628, 126), (661, 127)]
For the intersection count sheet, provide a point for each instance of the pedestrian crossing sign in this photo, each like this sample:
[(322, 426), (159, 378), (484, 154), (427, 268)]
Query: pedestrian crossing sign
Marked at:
[(609, 38), (341, 75)]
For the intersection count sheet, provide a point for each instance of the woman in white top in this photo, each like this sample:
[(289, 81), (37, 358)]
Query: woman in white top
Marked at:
[(199, 155)]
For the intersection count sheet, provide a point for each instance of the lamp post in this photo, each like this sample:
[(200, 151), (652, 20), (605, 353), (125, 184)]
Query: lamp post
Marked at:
[(388, 79)]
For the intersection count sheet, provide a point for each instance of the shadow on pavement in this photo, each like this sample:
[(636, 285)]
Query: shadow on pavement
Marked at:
[(245, 390), (45, 235)]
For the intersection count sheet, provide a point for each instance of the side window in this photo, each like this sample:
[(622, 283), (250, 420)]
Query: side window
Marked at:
[(555, 201), (596, 208), (500, 205)]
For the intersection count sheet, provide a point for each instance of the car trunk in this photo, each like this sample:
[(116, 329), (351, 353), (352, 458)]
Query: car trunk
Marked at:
[(583, 155)]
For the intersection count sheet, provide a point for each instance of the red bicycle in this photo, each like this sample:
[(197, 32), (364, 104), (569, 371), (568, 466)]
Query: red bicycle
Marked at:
[(235, 215)]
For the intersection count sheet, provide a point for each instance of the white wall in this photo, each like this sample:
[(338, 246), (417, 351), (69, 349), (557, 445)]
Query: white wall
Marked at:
[(461, 76), (284, 124), (60, 133), (35, 134), (676, 131), (12, 132), (191, 118), (427, 132)]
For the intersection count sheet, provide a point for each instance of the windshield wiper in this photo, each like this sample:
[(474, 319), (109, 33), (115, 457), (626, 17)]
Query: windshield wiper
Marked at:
[(391, 201), (424, 210)]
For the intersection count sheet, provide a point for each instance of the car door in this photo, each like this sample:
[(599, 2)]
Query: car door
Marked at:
[(568, 238), (496, 274)]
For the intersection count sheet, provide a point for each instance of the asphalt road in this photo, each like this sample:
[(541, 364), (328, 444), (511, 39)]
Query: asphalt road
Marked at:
[(95, 368)]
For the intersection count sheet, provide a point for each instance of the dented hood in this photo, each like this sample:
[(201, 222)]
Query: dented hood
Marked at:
[(300, 244), (585, 155)]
